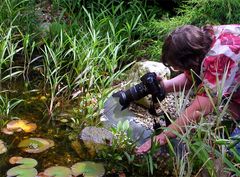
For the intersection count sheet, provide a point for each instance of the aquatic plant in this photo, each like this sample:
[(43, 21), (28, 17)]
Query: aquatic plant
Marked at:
[(35, 145), (88, 169), (22, 172), (24, 169), (122, 145), (8, 104), (19, 125), (8, 50), (83, 63), (58, 171)]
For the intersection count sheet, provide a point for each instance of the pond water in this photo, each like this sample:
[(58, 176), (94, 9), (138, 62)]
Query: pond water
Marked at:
[(62, 153), (32, 110)]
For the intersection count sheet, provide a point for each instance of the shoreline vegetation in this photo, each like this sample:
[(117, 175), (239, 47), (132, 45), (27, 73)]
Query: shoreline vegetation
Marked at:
[(60, 60)]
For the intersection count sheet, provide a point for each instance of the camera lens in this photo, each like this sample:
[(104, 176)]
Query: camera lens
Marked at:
[(132, 94), (149, 85)]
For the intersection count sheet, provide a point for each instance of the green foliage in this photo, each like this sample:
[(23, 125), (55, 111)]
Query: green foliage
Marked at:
[(118, 154), (7, 104), (149, 159), (18, 13), (86, 46), (8, 49), (208, 143), (211, 12), (196, 12)]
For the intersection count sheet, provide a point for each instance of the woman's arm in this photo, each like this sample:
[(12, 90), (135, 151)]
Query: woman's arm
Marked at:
[(201, 105), (177, 83)]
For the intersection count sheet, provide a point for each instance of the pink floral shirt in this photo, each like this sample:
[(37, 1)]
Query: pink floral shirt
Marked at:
[(220, 70)]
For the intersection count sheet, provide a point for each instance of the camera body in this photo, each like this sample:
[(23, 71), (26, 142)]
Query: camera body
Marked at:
[(148, 85)]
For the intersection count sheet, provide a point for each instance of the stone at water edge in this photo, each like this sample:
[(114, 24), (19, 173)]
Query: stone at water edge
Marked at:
[(113, 113), (95, 139), (142, 67)]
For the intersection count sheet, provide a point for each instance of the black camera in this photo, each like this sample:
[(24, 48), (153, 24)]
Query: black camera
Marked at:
[(149, 85)]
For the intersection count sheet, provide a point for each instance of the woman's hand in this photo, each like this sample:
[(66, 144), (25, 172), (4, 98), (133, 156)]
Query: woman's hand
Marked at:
[(161, 139)]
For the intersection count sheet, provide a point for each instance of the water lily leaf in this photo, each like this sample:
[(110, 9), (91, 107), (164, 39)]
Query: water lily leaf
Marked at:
[(30, 127), (24, 125), (58, 171), (22, 172), (88, 169), (27, 162), (35, 145), (7, 131), (14, 159)]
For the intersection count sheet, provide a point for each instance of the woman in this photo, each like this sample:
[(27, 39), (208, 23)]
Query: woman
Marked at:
[(209, 57)]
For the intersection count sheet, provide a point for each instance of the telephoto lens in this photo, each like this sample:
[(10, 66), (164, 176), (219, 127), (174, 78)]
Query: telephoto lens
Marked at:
[(134, 93), (149, 85)]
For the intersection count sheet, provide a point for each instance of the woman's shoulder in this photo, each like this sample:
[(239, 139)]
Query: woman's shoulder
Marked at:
[(226, 42), (230, 28)]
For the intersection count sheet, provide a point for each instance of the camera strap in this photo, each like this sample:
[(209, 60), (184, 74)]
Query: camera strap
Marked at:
[(152, 111), (161, 115)]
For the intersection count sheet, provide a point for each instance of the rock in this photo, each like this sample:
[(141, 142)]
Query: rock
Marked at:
[(141, 68), (113, 113), (95, 139)]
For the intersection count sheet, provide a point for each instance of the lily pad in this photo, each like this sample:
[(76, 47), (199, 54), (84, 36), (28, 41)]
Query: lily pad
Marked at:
[(35, 145), (19, 125), (88, 169), (18, 171), (58, 171), (14, 159), (26, 162), (3, 148), (7, 131)]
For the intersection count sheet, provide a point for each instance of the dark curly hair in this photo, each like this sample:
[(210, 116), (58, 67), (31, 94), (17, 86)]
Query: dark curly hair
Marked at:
[(186, 47)]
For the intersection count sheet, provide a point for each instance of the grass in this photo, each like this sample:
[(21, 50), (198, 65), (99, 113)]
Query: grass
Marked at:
[(205, 149), (87, 46)]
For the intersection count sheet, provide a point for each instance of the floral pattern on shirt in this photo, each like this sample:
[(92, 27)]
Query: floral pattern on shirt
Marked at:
[(220, 68)]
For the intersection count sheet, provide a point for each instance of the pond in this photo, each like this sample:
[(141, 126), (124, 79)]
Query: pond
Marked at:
[(32, 110), (63, 132), (61, 154)]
